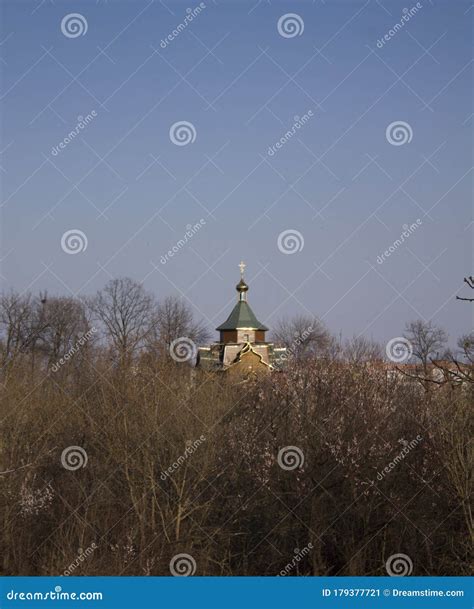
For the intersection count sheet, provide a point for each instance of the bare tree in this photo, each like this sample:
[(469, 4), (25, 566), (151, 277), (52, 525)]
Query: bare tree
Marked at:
[(15, 320), (22, 322), (65, 323), (302, 335), (466, 347), (459, 367), (426, 340), (125, 310), (360, 349), (173, 318)]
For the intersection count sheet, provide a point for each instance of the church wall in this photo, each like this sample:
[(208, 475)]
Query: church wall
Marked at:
[(262, 350), (245, 336), (249, 364), (229, 336)]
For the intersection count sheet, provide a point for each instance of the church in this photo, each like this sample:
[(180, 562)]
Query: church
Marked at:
[(242, 348)]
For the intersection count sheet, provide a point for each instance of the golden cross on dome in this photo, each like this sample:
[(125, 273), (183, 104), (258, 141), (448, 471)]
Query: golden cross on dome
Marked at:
[(242, 266)]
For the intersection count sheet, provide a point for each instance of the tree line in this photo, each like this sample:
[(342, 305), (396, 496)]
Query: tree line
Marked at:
[(123, 459)]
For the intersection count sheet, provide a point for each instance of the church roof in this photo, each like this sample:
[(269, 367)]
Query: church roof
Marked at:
[(242, 316)]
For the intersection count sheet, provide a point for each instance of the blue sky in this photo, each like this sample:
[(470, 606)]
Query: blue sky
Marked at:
[(338, 181)]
